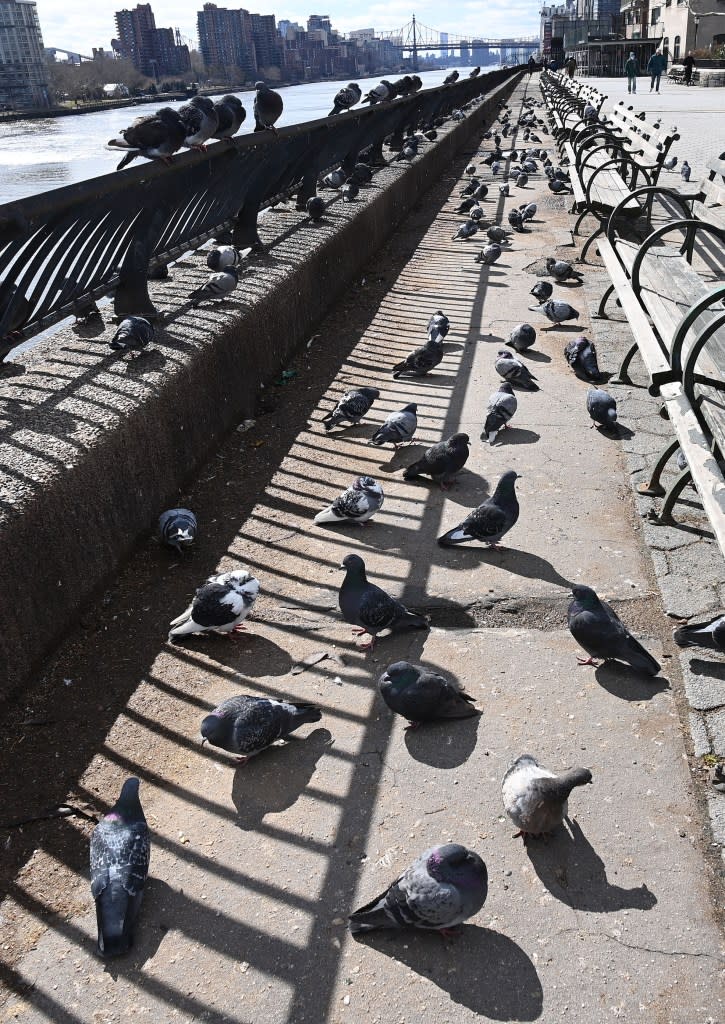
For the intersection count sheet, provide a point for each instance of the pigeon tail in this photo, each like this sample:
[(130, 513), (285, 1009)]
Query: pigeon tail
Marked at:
[(411, 621), (701, 634), (639, 658), (304, 713), (455, 536), (116, 912), (183, 626), (328, 515), (373, 915)]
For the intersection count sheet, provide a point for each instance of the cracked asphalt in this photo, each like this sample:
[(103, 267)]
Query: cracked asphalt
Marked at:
[(255, 869)]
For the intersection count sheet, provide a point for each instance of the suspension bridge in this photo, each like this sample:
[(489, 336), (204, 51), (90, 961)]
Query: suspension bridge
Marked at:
[(414, 38)]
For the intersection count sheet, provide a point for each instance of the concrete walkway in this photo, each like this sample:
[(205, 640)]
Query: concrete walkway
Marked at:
[(255, 870)]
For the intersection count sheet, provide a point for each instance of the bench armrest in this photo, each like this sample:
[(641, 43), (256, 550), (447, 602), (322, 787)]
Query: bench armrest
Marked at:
[(690, 227), (678, 339), (650, 190)]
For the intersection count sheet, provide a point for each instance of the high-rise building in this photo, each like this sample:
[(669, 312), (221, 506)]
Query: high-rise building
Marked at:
[(266, 41), (319, 23), (225, 39), (23, 73), (152, 51)]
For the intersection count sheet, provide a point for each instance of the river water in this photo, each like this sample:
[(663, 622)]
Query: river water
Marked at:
[(39, 155)]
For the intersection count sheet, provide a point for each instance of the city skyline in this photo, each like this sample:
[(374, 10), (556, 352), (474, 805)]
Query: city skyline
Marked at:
[(79, 26)]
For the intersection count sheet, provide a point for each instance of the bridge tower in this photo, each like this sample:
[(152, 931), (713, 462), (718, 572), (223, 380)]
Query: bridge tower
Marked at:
[(414, 54)]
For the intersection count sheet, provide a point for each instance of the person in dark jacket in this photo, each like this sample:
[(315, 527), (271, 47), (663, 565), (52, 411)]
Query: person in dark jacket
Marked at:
[(689, 63), (631, 69), (655, 67), (571, 67), (532, 65)]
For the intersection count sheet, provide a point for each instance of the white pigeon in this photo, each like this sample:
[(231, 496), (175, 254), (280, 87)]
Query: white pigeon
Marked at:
[(359, 503), (217, 287), (534, 798), (220, 605)]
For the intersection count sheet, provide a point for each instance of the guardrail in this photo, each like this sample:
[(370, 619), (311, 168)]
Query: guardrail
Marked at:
[(62, 250)]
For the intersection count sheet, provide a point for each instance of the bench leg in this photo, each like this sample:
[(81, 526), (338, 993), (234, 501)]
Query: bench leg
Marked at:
[(597, 233), (678, 486), (653, 488), (623, 375), (584, 214), (601, 311)]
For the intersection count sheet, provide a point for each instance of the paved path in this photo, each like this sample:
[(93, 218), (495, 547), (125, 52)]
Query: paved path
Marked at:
[(255, 870), (698, 113)]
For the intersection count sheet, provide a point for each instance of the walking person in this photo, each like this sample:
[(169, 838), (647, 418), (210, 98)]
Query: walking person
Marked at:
[(655, 67), (689, 63), (631, 69), (532, 65), (570, 67)]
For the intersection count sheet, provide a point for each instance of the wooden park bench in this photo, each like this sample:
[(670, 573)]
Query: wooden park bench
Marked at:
[(672, 293), (566, 100)]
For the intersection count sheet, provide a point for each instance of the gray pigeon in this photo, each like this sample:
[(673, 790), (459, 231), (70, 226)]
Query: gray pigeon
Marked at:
[(438, 326), (200, 121), (154, 136), (442, 461), (542, 290), (230, 116), (246, 725), (465, 205), (556, 311), (217, 287), (561, 270), (497, 234), (132, 335), (350, 191), (597, 628), (490, 521), (177, 528), (268, 106), (466, 230), (581, 355), (445, 887), (516, 220), (381, 93), (335, 179), (120, 854), (315, 207), (535, 799), (522, 179), (346, 98), (220, 605), (602, 408), (501, 407), (514, 371), (450, 79), (423, 696), (399, 428), (476, 214), (421, 360), (685, 170), (223, 256), (368, 607), (670, 163), (471, 169), (489, 255), (522, 337), (710, 634), (359, 503), (351, 408), (504, 190), (528, 211)]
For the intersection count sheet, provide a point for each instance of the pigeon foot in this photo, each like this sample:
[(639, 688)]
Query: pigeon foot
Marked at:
[(241, 760), (587, 661)]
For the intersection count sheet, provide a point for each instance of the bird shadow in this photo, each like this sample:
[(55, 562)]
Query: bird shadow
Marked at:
[(627, 683), (519, 563), (713, 669), (274, 780), (468, 489), (568, 284), (563, 327), (447, 743), (453, 346), (404, 457), (534, 356), (618, 433), (246, 652), (491, 975), (515, 435), (148, 362), (573, 872), (89, 329)]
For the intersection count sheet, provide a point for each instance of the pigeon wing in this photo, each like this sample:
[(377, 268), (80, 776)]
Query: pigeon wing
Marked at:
[(216, 605)]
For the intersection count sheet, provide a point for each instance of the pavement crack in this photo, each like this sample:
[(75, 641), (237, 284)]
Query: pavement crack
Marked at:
[(641, 948)]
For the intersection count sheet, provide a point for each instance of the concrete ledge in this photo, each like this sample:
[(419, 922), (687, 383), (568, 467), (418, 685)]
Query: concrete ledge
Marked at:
[(94, 447)]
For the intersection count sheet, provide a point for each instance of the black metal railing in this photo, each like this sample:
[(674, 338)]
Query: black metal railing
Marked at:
[(62, 250)]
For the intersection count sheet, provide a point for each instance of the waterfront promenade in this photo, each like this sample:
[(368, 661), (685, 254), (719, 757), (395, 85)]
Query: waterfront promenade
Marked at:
[(254, 870)]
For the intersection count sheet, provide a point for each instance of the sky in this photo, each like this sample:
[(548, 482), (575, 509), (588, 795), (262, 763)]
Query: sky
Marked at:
[(79, 25)]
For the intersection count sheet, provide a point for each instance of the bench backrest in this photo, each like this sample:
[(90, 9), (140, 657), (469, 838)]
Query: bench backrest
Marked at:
[(650, 140), (710, 204)]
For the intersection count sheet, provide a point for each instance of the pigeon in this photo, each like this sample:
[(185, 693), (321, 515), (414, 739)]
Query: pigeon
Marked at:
[(710, 634), (471, 169), (495, 167), (220, 604), (502, 405), (581, 355), (381, 93), (497, 234), (346, 98), (670, 164), (154, 136), (466, 230), (246, 725), (268, 106), (522, 337), (230, 116), (470, 188), (528, 211), (522, 180), (443, 888), (349, 191), (557, 186), (315, 208), (441, 461), (359, 503), (490, 521), (597, 628), (222, 257), (421, 360), (475, 72), (516, 220), (431, 135), (466, 205), (352, 407), (217, 287), (590, 112), (556, 311), (476, 214), (489, 254), (535, 799), (177, 528), (132, 335), (561, 270), (362, 174), (602, 408), (200, 121), (335, 179), (438, 326), (399, 428), (419, 695), (450, 79), (542, 290), (480, 192), (514, 371), (685, 170), (369, 608), (120, 852)]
